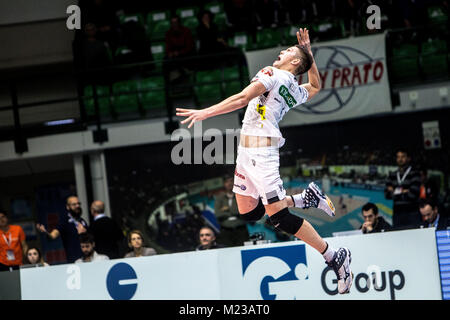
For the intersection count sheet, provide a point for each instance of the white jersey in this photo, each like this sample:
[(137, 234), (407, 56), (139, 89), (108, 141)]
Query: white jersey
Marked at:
[(265, 112)]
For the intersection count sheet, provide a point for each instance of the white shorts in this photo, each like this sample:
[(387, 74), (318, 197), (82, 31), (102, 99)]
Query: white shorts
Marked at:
[(257, 174)]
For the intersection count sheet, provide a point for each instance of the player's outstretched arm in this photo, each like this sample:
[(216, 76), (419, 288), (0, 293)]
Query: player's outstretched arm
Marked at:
[(234, 102), (314, 85)]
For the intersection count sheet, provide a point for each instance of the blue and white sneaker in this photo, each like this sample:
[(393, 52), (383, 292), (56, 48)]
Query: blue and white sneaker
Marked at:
[(314, 197), (341, 266)]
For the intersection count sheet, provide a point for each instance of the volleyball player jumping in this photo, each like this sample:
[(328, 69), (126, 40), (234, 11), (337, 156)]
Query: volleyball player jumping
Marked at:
[(257, 183)]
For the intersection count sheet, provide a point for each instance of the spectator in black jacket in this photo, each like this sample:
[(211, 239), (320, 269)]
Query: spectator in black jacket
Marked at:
[(207, 239), (106, 232), (403, 186), (430, 215), (372, 221)]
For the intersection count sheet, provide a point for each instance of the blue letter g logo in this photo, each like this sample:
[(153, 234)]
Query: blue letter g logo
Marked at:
[(121, 282)]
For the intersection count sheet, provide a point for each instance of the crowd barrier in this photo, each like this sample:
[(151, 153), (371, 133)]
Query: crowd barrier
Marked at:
[(386, 266)]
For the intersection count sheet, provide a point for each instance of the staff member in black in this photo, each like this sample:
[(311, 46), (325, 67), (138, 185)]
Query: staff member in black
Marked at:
[(403, 186)]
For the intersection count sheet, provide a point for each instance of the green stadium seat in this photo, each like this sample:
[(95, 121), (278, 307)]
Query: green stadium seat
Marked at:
[(158, 52), (152, 93), (158, 23), (215, 7), (289, 35), (404, 62), (232, 87), (205, 90), (103, 100), (241, 40), (231, 73), (122, 51), (221, 20), (188, 17), (268, 38), (437, 15), (434, 57), (139, 18), (125, 96)]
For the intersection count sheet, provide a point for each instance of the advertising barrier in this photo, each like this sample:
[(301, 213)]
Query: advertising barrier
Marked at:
[(386, 266)]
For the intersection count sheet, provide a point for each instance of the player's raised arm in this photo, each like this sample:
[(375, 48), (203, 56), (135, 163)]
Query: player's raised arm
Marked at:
[(234, 102), (314, 85)]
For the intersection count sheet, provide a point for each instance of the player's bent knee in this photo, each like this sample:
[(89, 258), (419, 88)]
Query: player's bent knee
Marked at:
[(255, 214), (287, 222)]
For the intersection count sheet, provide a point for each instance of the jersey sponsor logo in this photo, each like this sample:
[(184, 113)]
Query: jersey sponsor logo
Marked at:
[(261, 109), (268, 71), (284, 92), (270, 269), (242, 187), (237, 174)]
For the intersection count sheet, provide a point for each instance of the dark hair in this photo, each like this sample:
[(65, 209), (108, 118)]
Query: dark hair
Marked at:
[(202, 12), (428, 201), (4, 212), (402, 150), (86, 238), (41, 259), (71, 196), (306, 60), (370, 205), (207, 227), (138, 232)]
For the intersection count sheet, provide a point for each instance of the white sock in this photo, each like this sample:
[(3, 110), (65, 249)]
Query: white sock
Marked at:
[(298, 200), (329, 253)]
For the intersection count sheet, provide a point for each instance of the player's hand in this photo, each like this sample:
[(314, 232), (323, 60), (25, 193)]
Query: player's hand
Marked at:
[(192, 115), (303, 38)]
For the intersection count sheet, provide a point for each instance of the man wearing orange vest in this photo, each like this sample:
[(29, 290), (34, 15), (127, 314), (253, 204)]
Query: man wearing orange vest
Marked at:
[(12, 244)]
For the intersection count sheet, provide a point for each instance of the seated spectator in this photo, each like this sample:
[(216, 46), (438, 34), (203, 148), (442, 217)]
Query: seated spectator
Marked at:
[(34, 256), (241, 15), (87, 247), (430, 215), (208, 35), (12, 244), (179, 44), (265, 11), (95, 52), (372, 221), (102, 14), (136, 243), (207, 238), (136, 40)]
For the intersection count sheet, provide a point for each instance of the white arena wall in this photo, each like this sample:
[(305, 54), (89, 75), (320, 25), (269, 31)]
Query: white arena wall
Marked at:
[(400, 265)]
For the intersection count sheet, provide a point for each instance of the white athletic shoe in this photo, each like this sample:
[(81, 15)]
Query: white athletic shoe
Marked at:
[(314, 197), (341, 266)]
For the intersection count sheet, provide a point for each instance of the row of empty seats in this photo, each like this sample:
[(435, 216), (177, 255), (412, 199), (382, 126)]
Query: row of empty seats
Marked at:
[(209, 86), (411, 60)]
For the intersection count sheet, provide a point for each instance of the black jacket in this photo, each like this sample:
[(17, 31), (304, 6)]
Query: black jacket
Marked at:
[(107, 235), (443, 223), (380, 225), (404, 202)]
